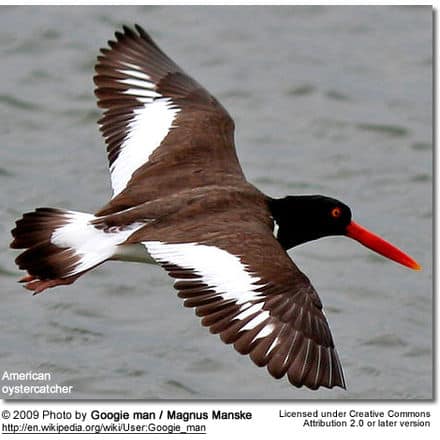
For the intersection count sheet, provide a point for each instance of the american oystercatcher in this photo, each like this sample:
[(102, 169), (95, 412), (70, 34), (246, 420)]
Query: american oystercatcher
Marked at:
[(181, 200)]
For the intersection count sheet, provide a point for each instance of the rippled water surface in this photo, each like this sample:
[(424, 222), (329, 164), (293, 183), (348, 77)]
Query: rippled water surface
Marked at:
[(331, 100)]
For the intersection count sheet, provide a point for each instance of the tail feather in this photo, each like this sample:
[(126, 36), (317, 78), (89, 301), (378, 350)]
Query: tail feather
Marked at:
[(36, 227), (47, 261), (52, 254), (61, 245)]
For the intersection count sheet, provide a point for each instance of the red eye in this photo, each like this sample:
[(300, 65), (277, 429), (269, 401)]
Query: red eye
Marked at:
[(336, 212)]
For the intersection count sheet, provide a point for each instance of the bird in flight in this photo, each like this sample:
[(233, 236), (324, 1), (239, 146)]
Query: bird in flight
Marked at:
[(181, 200)]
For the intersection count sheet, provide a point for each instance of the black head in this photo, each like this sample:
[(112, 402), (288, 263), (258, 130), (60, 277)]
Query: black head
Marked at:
[(305, 218)]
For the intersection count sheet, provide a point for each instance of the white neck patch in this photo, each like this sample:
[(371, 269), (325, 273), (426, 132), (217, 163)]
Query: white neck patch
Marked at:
[(276, 228)]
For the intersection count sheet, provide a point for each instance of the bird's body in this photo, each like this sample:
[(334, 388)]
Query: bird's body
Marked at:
[(181, 200)]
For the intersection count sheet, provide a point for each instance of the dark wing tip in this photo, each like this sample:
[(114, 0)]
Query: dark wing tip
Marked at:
[(129, 32), (140, 29)]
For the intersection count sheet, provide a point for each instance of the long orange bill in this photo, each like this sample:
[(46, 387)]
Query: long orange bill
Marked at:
[(379, 245)]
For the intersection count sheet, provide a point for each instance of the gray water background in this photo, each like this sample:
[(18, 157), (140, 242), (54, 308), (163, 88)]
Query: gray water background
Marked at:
[(331, 100)]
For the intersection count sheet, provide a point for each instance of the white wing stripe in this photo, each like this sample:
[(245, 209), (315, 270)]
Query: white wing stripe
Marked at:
[(265, 331), (131, 66), (224, 272), (135, 73), (256, 320), (145, 132), (148, 127), (142, 92), (248, 311), (273, 345), (145, 84)]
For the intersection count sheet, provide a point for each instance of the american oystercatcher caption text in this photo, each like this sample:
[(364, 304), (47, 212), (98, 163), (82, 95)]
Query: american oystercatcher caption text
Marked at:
[(31, 384)]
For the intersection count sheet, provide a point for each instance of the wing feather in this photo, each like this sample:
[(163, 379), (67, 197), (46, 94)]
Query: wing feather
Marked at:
[(278, 323), (158, 121)]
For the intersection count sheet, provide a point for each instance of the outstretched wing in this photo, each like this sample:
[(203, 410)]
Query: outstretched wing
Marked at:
[(159, 124), (246, 288)]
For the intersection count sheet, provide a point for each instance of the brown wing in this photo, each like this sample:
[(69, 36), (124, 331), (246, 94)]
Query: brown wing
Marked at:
[(159, 124), (246, 288)]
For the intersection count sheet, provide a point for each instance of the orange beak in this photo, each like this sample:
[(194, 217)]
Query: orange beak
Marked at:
[(379, 245)]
